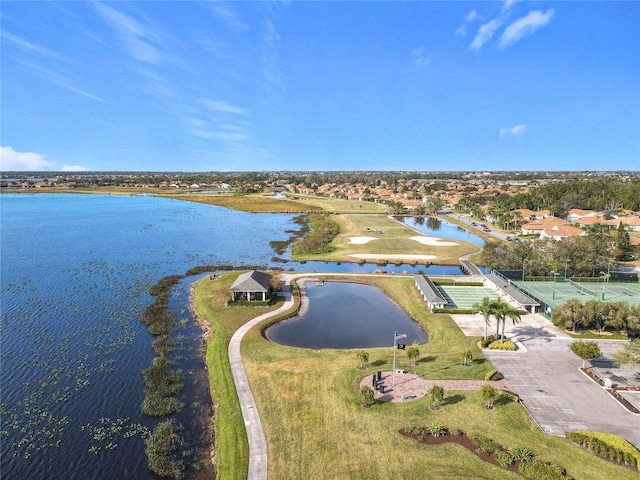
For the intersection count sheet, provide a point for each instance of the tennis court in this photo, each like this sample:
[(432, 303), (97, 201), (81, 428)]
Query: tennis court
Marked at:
[(557, 293), (465, 297)]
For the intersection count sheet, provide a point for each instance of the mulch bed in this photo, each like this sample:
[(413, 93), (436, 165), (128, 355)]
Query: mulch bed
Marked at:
[(612, 391), (463, 440)]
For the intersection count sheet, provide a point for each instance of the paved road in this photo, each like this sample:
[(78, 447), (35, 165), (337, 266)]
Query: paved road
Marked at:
[(546, 376), (255, 433), (473, 228)]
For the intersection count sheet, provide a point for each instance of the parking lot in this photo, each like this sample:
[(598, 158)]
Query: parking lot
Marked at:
[(546, 376)]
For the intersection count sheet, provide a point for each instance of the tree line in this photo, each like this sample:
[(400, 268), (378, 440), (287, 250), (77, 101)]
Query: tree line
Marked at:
[(602, 316)]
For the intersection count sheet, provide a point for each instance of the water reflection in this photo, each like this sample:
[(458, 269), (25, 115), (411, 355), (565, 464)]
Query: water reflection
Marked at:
[(346, 315), (441, 228)]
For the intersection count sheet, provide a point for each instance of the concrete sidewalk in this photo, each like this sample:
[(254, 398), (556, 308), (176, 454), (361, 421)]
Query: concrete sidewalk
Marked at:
[(255, 433)]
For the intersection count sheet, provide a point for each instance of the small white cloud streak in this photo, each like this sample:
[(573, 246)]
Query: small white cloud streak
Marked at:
[(59, 80), (472, 16), (10, 160), (132, 33), (508, 4), (419, 58), (525, 26), (74, 168), (30, 47), (227, 15), (218, 106), (485, 32), (513, 131)]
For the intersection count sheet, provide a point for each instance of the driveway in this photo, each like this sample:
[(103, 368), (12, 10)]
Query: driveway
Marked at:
[(547, 378)]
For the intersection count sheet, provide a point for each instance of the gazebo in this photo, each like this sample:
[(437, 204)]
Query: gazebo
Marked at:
[(252, 286)]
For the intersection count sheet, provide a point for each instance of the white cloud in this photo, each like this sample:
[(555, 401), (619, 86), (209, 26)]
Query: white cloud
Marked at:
[(419, 58), (10, 160), (513, 131), (508, 4), (224, 107), (30, 47), (485, 32), (227, 15), (525, 26), (74, 168), (472, 16), (136, 38)]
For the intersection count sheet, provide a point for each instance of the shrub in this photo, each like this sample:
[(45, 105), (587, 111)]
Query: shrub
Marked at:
[(608, 445), (455, 431), (521, 453), (493, 375), (538, 470), (490, 339), (453, 310), (506, 345), (484, 444), (504, 459), (437, 430)]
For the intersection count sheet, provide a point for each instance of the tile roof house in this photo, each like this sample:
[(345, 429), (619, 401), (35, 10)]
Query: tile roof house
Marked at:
[(552, 227)]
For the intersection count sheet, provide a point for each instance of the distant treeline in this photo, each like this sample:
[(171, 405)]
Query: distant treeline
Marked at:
[(560, 197)]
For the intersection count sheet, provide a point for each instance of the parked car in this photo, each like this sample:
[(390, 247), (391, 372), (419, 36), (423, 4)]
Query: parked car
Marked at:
[(486, 229)]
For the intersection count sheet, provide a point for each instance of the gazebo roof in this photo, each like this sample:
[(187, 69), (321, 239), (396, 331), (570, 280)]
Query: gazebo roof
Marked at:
[(253, 281)]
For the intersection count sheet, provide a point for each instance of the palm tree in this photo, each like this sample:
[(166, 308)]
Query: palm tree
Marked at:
[(503, 311), (363, 356), (486, 308)]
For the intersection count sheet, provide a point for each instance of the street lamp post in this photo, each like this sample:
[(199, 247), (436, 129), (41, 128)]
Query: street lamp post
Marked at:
[(524, 263), (566, 263)]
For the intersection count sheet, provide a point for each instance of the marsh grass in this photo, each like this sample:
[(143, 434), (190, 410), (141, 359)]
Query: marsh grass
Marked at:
[(249, 203), (309, 404)]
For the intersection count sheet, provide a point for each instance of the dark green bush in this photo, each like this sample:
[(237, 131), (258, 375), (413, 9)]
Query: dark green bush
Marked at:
[(504, 459), (521, 453), (490, 339), (453, 310), (484, 444), (607, 445), (538, 470)]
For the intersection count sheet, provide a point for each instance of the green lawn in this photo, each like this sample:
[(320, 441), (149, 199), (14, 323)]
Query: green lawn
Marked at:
[(394, 239), (315, 427)]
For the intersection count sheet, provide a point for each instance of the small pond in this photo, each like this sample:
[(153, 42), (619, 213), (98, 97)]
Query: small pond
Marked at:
[(347, 315), (441, 228)]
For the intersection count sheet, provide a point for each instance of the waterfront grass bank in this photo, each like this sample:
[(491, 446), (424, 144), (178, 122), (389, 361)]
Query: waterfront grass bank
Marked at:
[(310, 407)]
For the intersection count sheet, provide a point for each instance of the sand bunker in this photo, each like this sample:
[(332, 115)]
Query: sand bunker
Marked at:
[(433, 241), (361, 240), (390, 256)]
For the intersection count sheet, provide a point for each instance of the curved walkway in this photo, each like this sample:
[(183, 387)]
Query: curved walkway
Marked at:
[(255, 433)]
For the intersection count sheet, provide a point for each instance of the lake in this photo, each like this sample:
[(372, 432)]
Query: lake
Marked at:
[(75, 271)]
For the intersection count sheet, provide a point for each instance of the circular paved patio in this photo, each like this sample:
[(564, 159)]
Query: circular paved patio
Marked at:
[(409, 386)]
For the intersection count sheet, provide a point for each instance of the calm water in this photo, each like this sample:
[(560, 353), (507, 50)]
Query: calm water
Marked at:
[(74, 275), (75, 271), (441, 228), (347, 315)]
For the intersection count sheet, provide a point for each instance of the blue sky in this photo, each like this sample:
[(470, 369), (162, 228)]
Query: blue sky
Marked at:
[(232, 86)]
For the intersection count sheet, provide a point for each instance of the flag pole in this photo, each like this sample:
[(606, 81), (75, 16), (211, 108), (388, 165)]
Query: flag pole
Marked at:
[(393, 374)]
